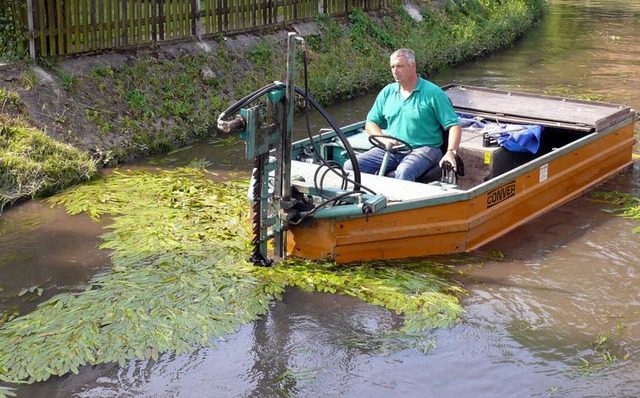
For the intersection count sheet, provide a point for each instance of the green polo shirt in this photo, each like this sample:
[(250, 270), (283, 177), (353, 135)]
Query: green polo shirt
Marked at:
[(418, 119)]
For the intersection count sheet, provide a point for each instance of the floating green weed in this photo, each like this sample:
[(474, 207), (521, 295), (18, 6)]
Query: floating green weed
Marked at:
[(6, 392), (8, 314), (628, 206), (418, 290), (599, 356), (180, 279)]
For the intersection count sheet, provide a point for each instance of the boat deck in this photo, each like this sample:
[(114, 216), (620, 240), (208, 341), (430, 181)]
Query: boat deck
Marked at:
[(480, 162), (394, 190)]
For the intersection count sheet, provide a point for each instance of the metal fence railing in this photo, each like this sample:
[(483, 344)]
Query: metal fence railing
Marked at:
[(64, 27)]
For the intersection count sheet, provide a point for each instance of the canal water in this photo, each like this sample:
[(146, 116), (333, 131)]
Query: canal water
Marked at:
[(558, 316)]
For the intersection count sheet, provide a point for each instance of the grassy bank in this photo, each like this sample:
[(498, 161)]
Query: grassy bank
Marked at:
[(158, 99), (31, 163)]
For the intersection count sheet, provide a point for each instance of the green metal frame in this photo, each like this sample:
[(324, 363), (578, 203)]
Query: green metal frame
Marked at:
[(267, 135)]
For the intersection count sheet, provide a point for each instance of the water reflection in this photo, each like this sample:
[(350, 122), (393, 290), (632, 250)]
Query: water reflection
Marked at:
[(536, 321), (47, 252), (581, 49)]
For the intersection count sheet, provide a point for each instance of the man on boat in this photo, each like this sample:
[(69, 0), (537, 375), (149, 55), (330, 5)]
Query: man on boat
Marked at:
[(415, 111)]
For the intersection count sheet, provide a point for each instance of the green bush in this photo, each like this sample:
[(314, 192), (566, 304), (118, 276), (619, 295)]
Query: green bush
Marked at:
[(11, 30)]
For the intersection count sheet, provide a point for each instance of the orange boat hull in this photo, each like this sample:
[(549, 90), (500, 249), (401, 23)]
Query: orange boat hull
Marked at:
[(465, 225)]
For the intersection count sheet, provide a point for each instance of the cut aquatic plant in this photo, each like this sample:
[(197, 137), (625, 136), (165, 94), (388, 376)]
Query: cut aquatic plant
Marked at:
[(180, 278), (627, 205)]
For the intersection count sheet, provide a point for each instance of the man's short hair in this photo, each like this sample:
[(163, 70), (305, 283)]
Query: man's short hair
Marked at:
[(406, 53)]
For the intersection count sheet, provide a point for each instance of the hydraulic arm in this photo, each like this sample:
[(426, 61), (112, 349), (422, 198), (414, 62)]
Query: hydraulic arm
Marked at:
[(267, 131)]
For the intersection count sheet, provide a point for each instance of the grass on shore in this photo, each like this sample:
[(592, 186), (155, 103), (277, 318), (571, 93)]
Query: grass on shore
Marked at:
[(33, 164)]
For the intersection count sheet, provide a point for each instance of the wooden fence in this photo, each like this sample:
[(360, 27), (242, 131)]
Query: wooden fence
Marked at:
[(63, 27)]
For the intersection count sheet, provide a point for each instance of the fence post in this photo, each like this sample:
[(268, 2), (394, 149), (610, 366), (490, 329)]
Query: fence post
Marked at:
[(125, 23), (196, 6), (32, 44)]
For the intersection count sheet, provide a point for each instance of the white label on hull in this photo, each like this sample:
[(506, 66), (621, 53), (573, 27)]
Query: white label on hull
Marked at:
[(544, 172)]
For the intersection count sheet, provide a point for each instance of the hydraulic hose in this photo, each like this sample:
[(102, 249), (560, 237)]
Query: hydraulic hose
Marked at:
[(323, 204), (235, 108), (343, 138)]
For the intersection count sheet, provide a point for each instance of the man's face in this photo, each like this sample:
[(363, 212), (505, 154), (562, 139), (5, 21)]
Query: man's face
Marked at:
[(402, 71)]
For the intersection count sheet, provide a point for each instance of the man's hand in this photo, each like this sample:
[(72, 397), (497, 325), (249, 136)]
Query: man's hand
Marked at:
[(455, 134), (449, 156), (390, 140)]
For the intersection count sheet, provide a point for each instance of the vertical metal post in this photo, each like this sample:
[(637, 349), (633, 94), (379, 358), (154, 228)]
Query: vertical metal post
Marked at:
[(283, 150), (289, 110)]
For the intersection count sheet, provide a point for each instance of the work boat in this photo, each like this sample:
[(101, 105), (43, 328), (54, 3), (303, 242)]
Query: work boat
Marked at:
[(520, 156)]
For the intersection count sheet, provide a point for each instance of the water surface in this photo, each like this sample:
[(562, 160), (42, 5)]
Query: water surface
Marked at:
[(558, 316)]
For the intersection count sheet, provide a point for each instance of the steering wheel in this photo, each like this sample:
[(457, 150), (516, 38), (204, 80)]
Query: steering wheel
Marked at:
[(403, 148), (387, 146)]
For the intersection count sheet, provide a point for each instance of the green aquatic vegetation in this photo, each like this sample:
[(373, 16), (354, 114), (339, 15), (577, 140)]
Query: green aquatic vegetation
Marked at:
[(228, 141), (199, 163), (6, 392), (180, 279), (627, 205), (391, 341), (418, 290), (600, 355), (27, 223), (8, 314)]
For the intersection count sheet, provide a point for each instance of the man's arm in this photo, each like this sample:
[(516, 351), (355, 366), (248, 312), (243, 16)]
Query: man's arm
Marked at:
[(373, 129), (455, 133)]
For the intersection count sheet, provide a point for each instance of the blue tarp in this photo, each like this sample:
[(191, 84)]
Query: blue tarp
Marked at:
[(514, 137)]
